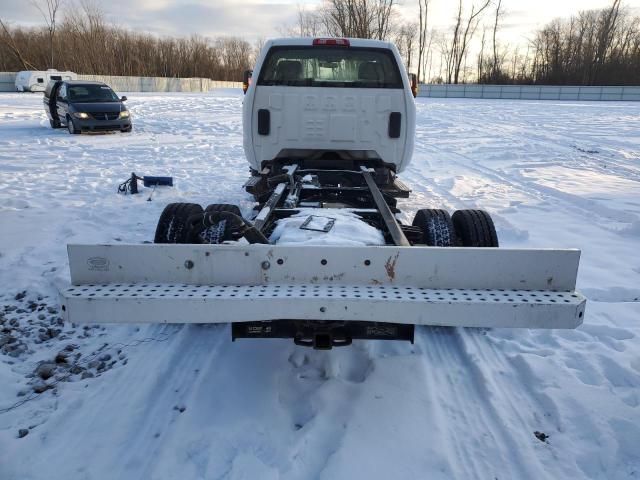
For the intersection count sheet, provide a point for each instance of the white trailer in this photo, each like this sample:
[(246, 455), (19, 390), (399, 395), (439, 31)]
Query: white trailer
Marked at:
[(37, 81), (328, 125)]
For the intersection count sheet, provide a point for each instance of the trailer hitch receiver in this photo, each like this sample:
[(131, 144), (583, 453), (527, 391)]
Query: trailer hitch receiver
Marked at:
[(322, 335), (323, 340)]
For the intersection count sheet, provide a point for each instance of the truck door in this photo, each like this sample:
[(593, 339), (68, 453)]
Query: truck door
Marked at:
[(52, 101), (61, 103)]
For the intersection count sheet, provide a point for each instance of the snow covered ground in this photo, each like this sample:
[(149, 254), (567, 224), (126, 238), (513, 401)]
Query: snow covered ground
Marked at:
[(167, 402)]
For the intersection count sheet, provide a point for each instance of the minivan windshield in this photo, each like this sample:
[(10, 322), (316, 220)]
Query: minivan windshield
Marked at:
[(91, 93), (322, 66)]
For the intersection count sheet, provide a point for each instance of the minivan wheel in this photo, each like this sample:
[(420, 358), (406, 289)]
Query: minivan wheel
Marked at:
[(71, 127)]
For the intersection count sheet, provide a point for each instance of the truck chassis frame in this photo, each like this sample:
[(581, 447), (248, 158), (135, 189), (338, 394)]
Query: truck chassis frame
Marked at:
[(324, 296)]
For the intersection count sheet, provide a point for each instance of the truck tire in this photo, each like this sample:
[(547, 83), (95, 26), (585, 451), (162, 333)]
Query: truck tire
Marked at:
[(474, 228), (224, 207), (71, 127), (436, 226), (218, 233), (173, 220)]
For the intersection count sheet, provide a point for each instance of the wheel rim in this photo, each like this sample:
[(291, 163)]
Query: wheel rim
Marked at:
[(70, 125)]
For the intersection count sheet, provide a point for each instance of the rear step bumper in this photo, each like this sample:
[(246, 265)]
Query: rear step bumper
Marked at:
[(181, 303), (464, 287)]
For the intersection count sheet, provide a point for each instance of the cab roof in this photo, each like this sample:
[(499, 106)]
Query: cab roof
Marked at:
[(308, 41), (83, 82)]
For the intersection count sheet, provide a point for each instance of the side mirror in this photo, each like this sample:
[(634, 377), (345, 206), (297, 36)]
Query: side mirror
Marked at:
[(246, 80), (123, 99), (414, 84)]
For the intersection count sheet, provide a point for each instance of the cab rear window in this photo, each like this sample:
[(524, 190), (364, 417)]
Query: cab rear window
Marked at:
[(321, 66)]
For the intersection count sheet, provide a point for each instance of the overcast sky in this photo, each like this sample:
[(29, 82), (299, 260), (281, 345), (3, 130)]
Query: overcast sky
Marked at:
[(266, 18)]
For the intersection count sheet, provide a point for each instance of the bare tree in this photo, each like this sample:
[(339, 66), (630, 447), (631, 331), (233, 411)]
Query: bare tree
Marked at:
[(422, 33), (7, 39), (49, 11), (236, 56), (405, 38), (309, 23), (463, 32), (498, 16), (358, 18), (597, 47), (383, 15), (481, 59), (605, 37), (257, 48), (428, 57)]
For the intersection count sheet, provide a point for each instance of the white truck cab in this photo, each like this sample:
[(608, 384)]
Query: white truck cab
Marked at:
[(333, 100)]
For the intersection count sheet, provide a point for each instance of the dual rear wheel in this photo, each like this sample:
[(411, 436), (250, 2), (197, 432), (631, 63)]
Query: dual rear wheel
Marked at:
[(465, 228), (176, 220)]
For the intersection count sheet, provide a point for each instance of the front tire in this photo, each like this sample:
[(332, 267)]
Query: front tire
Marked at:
[(71, 127), (172, 225)]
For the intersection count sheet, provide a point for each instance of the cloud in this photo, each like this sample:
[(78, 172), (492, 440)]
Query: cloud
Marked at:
[(250, 20), (266, 18)]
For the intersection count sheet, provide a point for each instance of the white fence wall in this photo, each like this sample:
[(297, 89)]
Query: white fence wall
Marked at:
[(517, 92), (531, 92), (139, 84), (7, 82), (160, 84)]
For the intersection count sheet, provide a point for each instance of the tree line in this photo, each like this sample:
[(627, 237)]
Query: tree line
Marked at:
[(85, 43), (596, 47)]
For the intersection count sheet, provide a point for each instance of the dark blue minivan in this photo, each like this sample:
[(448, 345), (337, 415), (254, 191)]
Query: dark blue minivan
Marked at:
[(84, 106)]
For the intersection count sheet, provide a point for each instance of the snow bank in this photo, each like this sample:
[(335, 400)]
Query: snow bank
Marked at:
[(348, 229), (185, 402)]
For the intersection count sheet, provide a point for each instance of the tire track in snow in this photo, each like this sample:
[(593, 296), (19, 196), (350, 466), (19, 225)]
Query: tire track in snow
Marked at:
[(475, 405), (560, 142), (437, 195), (115, 423), (524, 400), (171, 386), (530, 187), (573, 152), (586, 208)]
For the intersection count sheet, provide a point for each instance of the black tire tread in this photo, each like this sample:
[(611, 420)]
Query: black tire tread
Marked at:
[(224, 207), (475, 228), (173, 220), (437, 228)]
